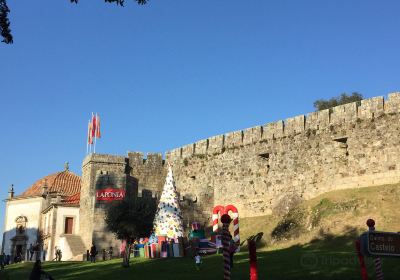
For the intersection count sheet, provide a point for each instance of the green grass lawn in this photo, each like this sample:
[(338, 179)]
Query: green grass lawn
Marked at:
[(329, 258), (324, 252)]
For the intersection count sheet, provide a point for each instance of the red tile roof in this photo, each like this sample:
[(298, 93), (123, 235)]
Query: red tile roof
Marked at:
[(72, 200), (65, 183)]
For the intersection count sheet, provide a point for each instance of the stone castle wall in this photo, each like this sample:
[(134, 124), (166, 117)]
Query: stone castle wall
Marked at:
[(260, 168)]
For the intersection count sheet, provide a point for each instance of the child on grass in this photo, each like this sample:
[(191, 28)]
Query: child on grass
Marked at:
[(197, 259)]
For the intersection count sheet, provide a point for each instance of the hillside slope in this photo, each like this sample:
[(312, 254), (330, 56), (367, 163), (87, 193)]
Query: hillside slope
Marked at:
[(332, 214)]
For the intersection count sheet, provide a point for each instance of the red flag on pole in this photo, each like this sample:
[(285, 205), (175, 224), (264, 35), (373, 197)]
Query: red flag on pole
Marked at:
[(94, 125), (98, 133), (89, 138)]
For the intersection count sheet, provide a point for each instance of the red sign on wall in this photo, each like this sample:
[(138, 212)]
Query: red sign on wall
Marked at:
[(110, 194)]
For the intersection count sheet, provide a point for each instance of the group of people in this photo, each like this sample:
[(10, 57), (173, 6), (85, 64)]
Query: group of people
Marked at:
[(4, 260), (34, 250), (92, 253), (58, 253)]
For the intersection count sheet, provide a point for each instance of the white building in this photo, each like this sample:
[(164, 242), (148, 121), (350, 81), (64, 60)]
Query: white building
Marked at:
[(46, 213)]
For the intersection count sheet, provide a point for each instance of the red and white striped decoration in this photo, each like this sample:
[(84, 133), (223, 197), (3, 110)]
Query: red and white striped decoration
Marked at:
[(225, 245), (377, 261), (220, 210), (378, 269)]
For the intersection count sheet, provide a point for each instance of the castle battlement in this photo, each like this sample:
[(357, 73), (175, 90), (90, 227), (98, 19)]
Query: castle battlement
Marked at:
[(348, 113), (137, 159)]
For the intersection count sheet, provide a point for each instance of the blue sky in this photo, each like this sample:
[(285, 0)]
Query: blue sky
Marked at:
[(174, 72)]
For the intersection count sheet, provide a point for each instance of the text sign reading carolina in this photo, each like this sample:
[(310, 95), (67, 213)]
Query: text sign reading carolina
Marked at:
[(110, 194), (383, 244)]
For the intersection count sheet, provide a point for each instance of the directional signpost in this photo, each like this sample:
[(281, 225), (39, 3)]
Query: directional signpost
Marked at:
[(381, 244), (377, 244)]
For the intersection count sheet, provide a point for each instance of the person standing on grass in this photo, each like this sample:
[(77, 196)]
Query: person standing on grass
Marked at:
[(197, 260), (93, 253), (110, 253), (59, 254), (31, 251), (56, 252), (2, 260)]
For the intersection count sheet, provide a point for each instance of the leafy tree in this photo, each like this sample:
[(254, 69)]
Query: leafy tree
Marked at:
[(131, 218), (322, 104), (5, 30)]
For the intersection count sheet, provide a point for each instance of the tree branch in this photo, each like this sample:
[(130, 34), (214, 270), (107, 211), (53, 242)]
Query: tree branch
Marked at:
[(5, 30)]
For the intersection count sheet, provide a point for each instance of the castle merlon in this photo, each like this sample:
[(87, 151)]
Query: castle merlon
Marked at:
[(347, 113)]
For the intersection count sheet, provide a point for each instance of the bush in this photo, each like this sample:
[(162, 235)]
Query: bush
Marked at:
[(322, 104), (291, 225)]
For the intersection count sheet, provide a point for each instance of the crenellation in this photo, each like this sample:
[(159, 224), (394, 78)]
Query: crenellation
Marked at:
[(318, 120), (135, 158), (234, 139), (216, 144), (312, 121), (294, 125), (154, 160), (201, 147), (252, 135), (372, 107), (188, 150), (392, 105), (103, 158), (174, 154), (259, 168), (324, 118), (337, 115), (350, 112), (344, 113), (273, 130)]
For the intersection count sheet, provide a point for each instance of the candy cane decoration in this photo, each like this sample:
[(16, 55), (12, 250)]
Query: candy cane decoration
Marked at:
[(218, 210), (377, 261), (235, 218), (226, 220)]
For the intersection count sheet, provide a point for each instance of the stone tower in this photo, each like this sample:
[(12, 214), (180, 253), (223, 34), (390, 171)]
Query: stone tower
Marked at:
[(101, 173)]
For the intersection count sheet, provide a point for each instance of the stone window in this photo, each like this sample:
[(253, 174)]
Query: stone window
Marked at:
[(21, 224), (342, 145), (264, 156)]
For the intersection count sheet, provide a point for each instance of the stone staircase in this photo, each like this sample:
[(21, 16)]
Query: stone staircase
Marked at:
[(77, 247)]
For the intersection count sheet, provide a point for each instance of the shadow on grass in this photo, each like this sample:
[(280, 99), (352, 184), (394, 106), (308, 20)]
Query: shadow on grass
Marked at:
[(327, 257)]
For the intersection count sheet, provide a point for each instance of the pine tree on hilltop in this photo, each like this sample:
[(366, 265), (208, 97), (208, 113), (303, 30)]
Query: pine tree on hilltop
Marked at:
[(168, 220)]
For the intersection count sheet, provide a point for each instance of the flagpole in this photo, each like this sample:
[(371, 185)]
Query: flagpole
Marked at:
[(94, 129), (94, 143), (87, 140)]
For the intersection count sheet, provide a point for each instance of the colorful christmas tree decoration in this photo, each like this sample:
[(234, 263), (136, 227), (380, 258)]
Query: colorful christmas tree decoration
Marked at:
[(168, 219)]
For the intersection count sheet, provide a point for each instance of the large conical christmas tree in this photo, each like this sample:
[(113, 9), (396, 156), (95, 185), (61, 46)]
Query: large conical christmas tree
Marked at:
[(168, 219)]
